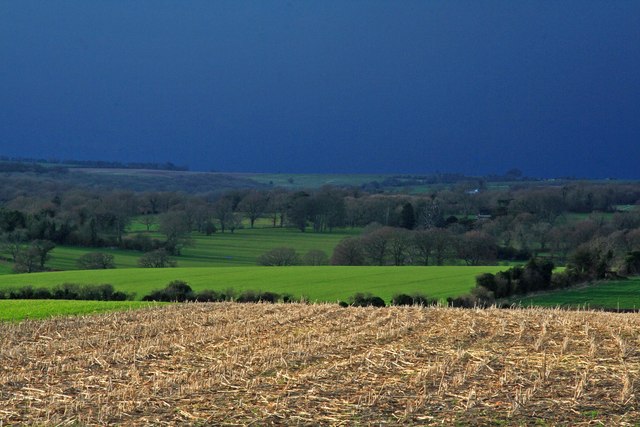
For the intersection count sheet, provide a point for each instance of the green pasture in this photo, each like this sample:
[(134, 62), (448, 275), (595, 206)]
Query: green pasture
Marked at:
[(65, 257), (613, 294), (5, 268), (241, 248), (326, 283), (39, 309), (244, 246)]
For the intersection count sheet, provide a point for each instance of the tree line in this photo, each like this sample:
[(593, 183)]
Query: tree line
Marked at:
[(460, 223)]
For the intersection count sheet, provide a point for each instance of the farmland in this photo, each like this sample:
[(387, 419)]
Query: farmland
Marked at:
[(324, 283), (241, 248), (321, 364), (39, 309), (615, 294)]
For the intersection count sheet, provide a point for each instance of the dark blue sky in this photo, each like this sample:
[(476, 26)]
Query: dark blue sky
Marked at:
[(551, 87)]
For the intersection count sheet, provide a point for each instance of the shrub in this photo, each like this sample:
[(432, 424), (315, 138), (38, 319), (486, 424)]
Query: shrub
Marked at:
[(69, 291), (28, 292), (287, 298), (66, 291), (415, 299), (348, 252), (177, 290), (156, 259), (463, 301), (95, 261), (315, 257), (269, 297), (366, 300), (401, 299), (210, 296), (140, 242), (482, 296), (279, 257), (256, 296), (248, 296)]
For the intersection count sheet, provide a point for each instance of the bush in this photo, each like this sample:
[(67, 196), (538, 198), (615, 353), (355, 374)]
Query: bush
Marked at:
[(140, 242), (315, 257), (366, 300), (269, 297), (287, 298), (95, 261), (210, 296), (27, 292), (348, 252), (415, 299), (256, 296), (248, 296), (156, 259), (279, 257), (68, 291), (401, 299), (176, 291), (463, 301)]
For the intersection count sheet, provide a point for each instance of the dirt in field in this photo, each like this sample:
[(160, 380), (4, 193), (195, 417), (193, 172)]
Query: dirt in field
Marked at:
[(239, 364)]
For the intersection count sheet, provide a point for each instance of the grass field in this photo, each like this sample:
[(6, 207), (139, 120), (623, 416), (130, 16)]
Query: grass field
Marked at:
[(5, 268), (315, 283), (614, 294), (293, 364), (241, 248), (38, 309)]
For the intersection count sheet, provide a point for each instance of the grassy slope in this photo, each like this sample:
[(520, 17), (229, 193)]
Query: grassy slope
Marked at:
[(316, 283), (614, 294), (40, 309), (241, 248)]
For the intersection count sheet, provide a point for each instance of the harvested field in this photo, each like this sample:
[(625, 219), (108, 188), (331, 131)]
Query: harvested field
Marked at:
[(236, 364)]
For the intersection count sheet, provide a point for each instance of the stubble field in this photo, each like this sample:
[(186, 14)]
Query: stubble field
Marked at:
[(238, 364)]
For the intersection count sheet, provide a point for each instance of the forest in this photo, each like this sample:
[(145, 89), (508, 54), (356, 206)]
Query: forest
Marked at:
[(594, 225)]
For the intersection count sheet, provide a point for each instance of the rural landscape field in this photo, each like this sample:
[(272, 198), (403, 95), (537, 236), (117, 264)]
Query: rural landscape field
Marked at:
[(266, 213), (241, 364)]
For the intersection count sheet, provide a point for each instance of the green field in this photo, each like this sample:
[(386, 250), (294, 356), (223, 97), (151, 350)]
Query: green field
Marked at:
[(315, 283), (39, 309), (241, 248), (615, 294), (5, 268)]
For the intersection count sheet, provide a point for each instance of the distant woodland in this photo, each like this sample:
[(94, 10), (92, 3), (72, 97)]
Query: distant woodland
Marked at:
[(595, 225)]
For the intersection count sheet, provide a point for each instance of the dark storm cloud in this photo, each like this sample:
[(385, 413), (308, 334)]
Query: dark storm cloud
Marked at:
[(356, 86)]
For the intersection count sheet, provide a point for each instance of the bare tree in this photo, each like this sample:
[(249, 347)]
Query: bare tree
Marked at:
[(399, 245), (315, 257), (348, 252), (279, 257), (475, 247), (253, 205), (175, 226), (223, 210), (148, 221), (156, 259), (423, 245)]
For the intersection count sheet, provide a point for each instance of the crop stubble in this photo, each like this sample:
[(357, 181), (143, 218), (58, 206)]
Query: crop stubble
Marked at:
[(237, 364)]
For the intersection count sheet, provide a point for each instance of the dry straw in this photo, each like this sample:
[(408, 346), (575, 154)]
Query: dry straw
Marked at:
[(238, 364)]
